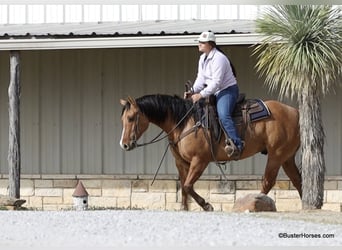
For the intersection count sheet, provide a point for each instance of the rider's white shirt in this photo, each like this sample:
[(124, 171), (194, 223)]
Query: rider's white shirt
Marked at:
[(214, 74)]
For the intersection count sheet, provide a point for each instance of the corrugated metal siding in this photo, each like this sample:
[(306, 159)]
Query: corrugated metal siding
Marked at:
[(4, 81), (332, 119), (71, 113)]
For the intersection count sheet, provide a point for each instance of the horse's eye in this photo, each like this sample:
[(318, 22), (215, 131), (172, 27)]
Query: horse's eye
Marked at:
[(130, 119)]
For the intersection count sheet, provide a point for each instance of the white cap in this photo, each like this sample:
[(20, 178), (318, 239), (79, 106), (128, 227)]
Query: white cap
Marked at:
[(206, 36)]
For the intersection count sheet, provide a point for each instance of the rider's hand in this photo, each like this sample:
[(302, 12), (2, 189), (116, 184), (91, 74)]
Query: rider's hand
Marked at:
[(196, 97)]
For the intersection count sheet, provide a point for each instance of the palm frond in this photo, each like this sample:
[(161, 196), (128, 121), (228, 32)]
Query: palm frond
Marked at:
[(302, 45)]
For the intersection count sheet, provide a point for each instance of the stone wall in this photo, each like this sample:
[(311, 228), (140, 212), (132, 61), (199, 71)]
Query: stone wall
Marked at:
[(54, 192)]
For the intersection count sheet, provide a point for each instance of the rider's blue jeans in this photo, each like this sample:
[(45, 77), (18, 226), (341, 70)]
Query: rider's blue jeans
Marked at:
[(225, 102)]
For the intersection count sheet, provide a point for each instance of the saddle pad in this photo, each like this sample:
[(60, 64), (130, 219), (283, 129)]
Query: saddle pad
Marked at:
[(250, 110), (258, 111)]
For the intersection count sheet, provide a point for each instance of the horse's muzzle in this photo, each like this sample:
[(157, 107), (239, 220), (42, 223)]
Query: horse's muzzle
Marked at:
[(129, 146)]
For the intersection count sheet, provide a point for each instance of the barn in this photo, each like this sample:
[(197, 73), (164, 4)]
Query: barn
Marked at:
[(72, 76)]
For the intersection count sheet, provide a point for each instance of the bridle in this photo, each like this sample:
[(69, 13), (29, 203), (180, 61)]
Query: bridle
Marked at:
[(135, 130), (157, 138)]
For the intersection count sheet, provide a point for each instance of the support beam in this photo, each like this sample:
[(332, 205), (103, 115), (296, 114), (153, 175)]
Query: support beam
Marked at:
[(14, 126)]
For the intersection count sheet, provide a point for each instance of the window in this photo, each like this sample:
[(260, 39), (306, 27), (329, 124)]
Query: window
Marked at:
[(35, 14), (248, 11), (208, 11), (73, 13), (54, 13), (130, 13), (228, 12), (110, 13), (168, 12), (3, 14), (17, 14), (187, 12), (149, 12), (91, 13)]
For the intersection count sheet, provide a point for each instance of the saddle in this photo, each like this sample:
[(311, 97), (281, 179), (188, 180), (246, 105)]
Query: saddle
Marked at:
[(245, 112)]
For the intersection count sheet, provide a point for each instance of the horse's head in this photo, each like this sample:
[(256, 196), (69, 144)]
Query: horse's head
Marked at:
[(134, 124)]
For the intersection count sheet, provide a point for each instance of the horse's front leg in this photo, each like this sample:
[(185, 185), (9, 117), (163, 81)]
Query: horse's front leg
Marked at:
[(195, 171), (183, 169)]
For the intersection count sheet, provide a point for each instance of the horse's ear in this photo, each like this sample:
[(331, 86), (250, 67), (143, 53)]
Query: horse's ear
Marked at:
[(131, 101), (123, 102)]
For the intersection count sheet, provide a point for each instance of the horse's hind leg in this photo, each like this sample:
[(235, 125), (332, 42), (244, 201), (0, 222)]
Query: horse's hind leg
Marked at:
[(270, 175), (291, 170)]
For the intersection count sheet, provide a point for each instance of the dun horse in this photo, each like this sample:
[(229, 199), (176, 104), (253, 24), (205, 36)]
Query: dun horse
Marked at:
[(278, 135)]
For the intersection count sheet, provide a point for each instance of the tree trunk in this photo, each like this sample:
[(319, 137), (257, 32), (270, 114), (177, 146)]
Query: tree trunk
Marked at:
[(14, 126), (312, 142)]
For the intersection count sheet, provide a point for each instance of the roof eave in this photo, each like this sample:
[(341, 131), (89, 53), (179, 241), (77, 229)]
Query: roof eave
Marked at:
[(51, 43)]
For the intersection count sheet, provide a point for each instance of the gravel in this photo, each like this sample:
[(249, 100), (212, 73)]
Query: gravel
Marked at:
[(146, 229)]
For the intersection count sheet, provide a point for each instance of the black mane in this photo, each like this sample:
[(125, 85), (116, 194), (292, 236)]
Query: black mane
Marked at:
[(159, 107)]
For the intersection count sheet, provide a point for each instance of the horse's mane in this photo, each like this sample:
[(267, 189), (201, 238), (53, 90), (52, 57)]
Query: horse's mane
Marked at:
[(159, 107)]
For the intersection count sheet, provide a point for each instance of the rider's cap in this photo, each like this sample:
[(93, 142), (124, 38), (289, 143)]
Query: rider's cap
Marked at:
[(206, 36)]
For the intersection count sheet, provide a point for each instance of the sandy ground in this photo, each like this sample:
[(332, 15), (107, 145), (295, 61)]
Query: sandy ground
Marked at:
[(148, 229)]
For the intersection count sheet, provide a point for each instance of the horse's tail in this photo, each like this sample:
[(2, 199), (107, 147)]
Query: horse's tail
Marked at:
[(299, 159)]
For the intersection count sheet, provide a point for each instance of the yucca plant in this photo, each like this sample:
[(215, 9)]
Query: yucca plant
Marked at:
[(301, 56)]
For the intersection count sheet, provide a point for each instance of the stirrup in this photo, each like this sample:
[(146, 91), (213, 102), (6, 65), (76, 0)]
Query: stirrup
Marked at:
[(232, 150)]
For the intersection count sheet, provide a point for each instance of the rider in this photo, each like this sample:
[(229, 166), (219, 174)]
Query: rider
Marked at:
[(216, 76)]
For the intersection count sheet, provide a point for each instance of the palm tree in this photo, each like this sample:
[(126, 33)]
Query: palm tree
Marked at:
[(301, 56)]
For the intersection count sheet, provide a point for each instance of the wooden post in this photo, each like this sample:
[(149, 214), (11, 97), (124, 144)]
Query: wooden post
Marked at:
[(14, 126)]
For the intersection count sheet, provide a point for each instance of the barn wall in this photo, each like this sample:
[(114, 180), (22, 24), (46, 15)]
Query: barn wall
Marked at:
[(71, 113), (4, 82)]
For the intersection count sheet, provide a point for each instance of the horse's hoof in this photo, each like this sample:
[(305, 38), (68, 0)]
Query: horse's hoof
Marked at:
[(207, 207), (184, 208)]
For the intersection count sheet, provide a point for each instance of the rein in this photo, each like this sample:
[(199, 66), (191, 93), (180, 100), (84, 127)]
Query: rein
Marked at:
[(157, 139)]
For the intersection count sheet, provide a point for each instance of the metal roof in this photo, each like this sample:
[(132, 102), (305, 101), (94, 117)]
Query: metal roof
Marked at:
[(123, 34), (171, 27)]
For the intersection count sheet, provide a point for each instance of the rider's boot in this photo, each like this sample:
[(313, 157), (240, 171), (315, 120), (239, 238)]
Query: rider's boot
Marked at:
[(233, 151)]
